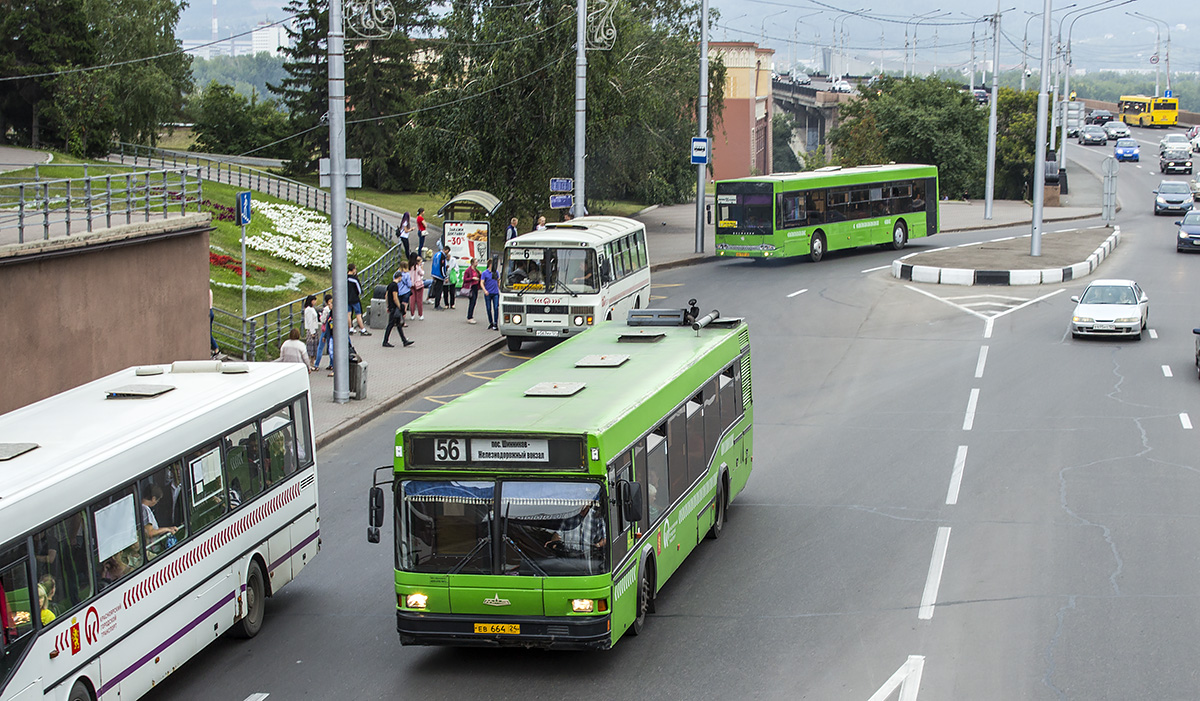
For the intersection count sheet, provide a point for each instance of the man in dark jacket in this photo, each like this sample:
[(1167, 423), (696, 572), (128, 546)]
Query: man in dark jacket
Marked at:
[(354, 299)]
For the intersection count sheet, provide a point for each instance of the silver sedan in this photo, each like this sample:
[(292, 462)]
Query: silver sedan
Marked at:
[(1111, 308)]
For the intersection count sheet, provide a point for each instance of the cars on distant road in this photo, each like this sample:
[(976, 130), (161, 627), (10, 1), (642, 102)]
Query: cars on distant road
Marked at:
[(1172, 196), (1127, 150), (1175, 160), (1092, 134), (801, 79), (1110, 308), (982, 97), (1189, 232), (1098, 117), (1116, 130), (1170, 140), (841, 86), (1195, 185), (1193, 135)]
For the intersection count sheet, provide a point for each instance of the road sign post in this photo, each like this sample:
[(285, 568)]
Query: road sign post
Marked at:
[(243, 208), (1108, 201), (699, 151)]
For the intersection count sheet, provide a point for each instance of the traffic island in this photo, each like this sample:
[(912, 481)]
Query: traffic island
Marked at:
[(1066, 255)]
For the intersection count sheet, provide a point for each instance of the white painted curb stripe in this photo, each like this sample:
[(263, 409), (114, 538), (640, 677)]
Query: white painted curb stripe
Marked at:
[(969, 420), (934, 580), (983, 351), (960, 462)]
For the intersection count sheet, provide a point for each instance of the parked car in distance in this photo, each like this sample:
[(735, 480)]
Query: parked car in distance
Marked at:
[(1189, 232), (1127, 150), (841, 86), (982, 97), (1172, 196), (1175, 160), (1170, 140), (1092, 134), (801, 79), (1116, 130), (1110, 308), (1098, 117)]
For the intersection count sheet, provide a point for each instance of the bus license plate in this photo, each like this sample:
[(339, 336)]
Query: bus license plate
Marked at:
[(741, 255), (498, 628), (539, 332)]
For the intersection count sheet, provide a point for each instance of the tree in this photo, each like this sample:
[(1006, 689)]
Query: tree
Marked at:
[(1016, 138), (917, 120), (305, 90), (501, 114), (228, 122), (247, 74), (784, 159)]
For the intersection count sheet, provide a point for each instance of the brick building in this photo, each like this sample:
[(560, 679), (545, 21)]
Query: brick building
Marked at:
[(742, 136)]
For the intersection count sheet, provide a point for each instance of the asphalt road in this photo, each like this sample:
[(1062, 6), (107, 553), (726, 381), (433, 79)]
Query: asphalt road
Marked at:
[(990, 510)]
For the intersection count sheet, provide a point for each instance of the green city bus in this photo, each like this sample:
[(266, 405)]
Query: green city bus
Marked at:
[(548, 507), (831, 208)]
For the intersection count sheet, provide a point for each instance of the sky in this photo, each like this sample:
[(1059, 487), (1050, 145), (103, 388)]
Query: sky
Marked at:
[(802, 30)]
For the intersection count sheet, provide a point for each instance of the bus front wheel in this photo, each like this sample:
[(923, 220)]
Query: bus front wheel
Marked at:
[(80, 692), (252, 622), (514, 343), (816, 248), (899, 236), (645, 596)]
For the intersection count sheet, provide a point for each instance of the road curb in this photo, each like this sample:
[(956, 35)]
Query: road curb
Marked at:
[(416, 389), (1041, 276)]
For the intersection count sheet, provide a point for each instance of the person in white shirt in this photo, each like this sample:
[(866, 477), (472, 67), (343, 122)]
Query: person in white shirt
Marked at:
[(293, 350)]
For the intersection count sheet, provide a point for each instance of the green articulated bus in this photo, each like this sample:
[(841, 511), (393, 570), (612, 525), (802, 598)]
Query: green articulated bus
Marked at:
[(809, 214), (549, 506)]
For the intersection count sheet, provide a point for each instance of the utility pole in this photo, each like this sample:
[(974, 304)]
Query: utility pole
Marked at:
[(1039, 164), (992, 126), (702, 125), (580, 103), (337, 208)]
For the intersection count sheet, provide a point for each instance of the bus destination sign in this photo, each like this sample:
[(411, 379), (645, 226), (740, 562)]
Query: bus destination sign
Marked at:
[(510, 450), (449, 451)]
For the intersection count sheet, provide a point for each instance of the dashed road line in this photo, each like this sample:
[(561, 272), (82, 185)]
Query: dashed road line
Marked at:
[(798, 292), (983, 351), (1185, 420), (969, 419), (934, 579), (960, 462), (1166, 370), (1153, 333), (881, 267)]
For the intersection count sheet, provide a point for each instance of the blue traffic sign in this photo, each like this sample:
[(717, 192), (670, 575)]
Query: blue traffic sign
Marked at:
[(562, 184), (1168, 93), (699, 151), (562, 201), (243, 207)]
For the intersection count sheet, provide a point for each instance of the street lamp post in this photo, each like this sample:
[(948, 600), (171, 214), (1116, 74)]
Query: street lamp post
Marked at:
[(914, 18), (916, 27), (702, 121), (1080, 13), (834, 39), (1039, 163), (1157, 39)]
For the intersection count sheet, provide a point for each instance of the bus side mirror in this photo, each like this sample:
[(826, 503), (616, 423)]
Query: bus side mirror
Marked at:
[(375, 514), (605, 271), (629, 494)]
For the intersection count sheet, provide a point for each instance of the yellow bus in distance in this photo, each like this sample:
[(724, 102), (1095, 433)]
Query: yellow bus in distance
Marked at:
[(1142, 111)]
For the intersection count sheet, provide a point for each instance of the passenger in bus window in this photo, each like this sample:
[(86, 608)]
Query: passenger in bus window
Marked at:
[(120, 565), (46, 590), (151, 495)]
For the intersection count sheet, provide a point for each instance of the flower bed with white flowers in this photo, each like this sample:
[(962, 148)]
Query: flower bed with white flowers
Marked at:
[(296, 234)]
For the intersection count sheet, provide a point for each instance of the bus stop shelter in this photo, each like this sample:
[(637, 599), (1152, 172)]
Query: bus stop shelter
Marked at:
[(467, 225)]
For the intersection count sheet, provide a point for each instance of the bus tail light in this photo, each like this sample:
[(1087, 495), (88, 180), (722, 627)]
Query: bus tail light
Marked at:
[(602, 605)]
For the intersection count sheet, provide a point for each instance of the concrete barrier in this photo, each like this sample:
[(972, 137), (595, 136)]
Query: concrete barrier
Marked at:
[(957, 276)]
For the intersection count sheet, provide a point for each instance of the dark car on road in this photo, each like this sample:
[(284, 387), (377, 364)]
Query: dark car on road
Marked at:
[(1189, 232), (1092, 134), (1172, 196), (1175, 160), (1098, 117)]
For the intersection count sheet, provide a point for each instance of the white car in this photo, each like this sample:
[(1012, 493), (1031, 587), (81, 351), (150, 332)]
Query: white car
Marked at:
[(1173, 140), (1110, 308), (841, 86), (1116, 130)]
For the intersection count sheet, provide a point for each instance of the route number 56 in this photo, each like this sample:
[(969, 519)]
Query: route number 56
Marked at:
[(448, 449)]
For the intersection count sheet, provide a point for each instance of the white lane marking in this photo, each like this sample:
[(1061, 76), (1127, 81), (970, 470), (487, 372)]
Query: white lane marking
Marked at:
[(1166, 371), (960, 462), (908, 678), (969, 420), (934, 580), (987, 327), (1139, 167), (982, 361), (946, 301), (1032, 301), (798, 292), (1153, 333), (871, 270), (1185, 421), (257, 697)]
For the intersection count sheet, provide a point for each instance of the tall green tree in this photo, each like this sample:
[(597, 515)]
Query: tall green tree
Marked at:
[(228, 122), (784, 158), (501, 113), (305, 89), (917, 120), (1016, 139)]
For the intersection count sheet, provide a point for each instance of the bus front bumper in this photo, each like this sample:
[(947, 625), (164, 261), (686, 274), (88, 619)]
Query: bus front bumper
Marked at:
[(551, 633)]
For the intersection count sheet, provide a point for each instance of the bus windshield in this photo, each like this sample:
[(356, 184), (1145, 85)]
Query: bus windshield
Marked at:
[(536, 528), (569, 270), (748, 213)]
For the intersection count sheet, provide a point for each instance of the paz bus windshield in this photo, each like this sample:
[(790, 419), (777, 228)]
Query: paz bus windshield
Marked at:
[(569, 270), (513, 527)]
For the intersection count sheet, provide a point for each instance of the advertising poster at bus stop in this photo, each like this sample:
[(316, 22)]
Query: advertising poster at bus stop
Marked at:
[(467, 240)]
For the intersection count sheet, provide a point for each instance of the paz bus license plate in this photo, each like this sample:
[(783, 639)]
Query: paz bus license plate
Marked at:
[(498, 628), (741, 255), (540, 332)]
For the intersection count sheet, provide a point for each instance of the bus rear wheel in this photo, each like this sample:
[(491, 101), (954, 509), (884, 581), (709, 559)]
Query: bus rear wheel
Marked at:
[(718, 525), (252, 622), (816, 248), (899, 236), (514, 343)]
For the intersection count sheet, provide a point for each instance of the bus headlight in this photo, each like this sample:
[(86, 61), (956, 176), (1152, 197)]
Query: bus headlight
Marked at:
[(578, 320), (416, 601), (516, 319), (582, 605)]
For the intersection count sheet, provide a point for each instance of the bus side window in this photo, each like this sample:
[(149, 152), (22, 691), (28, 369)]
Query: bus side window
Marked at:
[(639, 473), (677, 453), (657, 493), (643, 261), (118, 536), (729, 402), (62, 555), (205, 485), (619, 469), (304, 450), (243, 464), (17, 607), (280, 448), (605, 268), (159, 529), (697, 462), (713, 425)]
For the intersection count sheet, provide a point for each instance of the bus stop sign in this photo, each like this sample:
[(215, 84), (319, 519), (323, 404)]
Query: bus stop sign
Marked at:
[(699, 151)]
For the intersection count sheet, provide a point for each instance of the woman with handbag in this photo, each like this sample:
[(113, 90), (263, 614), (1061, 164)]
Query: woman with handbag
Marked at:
[(471, 283), (312, 326)]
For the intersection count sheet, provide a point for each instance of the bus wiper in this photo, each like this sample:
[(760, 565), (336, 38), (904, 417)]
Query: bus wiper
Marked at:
[(516, 548), (565, 286), (469, 556)]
